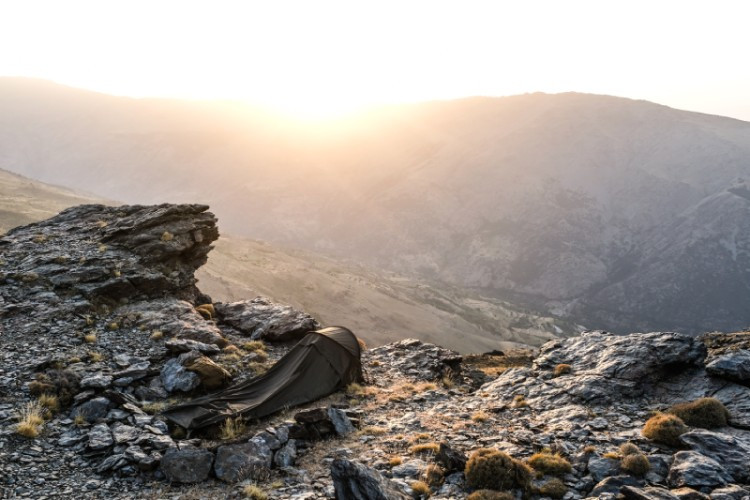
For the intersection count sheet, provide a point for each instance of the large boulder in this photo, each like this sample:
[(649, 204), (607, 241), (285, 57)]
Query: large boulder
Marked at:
[(354, 481), (175, 377), (262, 319), (695, 470), (236, 462), (190, 465), (732, 453)]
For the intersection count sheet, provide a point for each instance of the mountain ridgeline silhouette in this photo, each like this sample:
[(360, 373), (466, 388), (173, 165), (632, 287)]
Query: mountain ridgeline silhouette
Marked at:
[(618, 214)]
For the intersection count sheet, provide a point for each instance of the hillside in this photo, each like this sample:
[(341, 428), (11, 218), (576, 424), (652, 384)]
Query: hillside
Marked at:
[(381, 307), (610, 212)]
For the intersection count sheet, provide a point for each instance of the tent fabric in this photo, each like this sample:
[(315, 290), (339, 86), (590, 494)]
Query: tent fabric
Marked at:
[(321, 363)]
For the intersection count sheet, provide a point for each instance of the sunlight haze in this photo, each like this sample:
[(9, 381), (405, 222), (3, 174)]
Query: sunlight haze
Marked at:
[(317, 59)]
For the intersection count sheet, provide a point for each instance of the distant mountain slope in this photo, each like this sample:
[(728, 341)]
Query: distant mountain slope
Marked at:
[(616, 213), (380, 307)]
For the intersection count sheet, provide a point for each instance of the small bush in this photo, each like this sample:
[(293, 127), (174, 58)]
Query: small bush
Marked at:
[(156, 335), (496, 470), (95, 357), (554, 488), (232, 428), (90, 338), (635, 463), (395, 460), (206, 310), (253, 492), (431, 448), (562, 369), (665, 428), (547, 463), (589, 449), (490, 495), (433, 475), (231, 349), (628, 449), (80, 420), (420, 488), (612, 455), (167, 236), (706, 413)]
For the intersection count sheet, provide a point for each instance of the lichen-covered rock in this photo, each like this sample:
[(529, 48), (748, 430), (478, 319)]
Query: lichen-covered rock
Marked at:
[(262, 319)]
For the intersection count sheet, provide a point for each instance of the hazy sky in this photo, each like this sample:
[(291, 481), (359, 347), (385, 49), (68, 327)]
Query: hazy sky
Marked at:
[(316, 57)]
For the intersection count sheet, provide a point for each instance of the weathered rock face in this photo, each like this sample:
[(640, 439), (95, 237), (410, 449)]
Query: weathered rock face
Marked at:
[(190, 465), (262, 319), (236, 462), (354, 481)]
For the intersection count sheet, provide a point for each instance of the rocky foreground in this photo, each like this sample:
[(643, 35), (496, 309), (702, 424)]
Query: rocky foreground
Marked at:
[(103, 327)]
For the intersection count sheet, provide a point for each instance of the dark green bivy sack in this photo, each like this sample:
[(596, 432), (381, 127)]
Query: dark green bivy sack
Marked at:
[(323, 362)]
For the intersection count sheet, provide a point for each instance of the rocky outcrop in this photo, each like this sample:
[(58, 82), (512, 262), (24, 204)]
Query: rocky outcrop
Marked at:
[(262, 319), (354, 481)]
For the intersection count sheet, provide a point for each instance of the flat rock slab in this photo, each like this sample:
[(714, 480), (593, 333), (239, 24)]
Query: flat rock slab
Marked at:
[(187, 465), (236, 462)]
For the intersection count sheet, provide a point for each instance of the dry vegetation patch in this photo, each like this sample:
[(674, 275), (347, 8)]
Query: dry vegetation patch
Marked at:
[(707, 413), (665, 428)]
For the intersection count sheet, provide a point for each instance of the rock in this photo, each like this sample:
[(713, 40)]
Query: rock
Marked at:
[(190, 465), (692, 469), (176, 318), (354, 481), (341, 422), (731, 492), (649, 493), (93, 409), (312, 415), (124, 433), (269, 439), (733, 454), (134, 372), (614, 484), (733, 366), (410, 469), (100, 437), (286, 455), (601, 467), (262, 319), (180, 345), (236, 462), (212, 376), (450, 459), (689, 494), (112, 462), (96, 381), (176, 377)]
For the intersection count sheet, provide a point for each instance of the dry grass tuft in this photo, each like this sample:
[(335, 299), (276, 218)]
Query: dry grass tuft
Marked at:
[(80, 420), (433, 475), (254, 492), (547, 463), (628, 449), (418, 438), (665, 428), (420, 488), (636, 463), (254, 345), (372, 430), (480, 416), (554, 488), (30, 420), (50, 402), (90, 338), (156, 335), (424, 448), (707, 413), (232, 428), (562, 369), (231, 349), (490, 495), (496, 470), (519, 401), (95, 357), (167, 236), (395, 460)]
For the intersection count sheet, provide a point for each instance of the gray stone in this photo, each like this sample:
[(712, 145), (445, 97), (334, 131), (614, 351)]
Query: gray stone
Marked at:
[(176, 377), (190, 465), (134, 372), (600, 467), (614, 484), (236, 462), (100, 437), (286, 456), (692, 469), (180, 345), (731, 492), (649, 493), (261, 318), (124, 433), (112, 462), (733, 454), (734, 365), (93, 409), (354, 481), (96, 381), (71, 439), (341, 422), (411, 469), (270, 439)]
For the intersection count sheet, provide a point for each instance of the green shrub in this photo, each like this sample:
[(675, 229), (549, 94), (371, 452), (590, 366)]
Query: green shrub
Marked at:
[(635, 463), (496, 470), (490, 495), (547, 463), (665, 428), (554, 488), (707, 413)]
